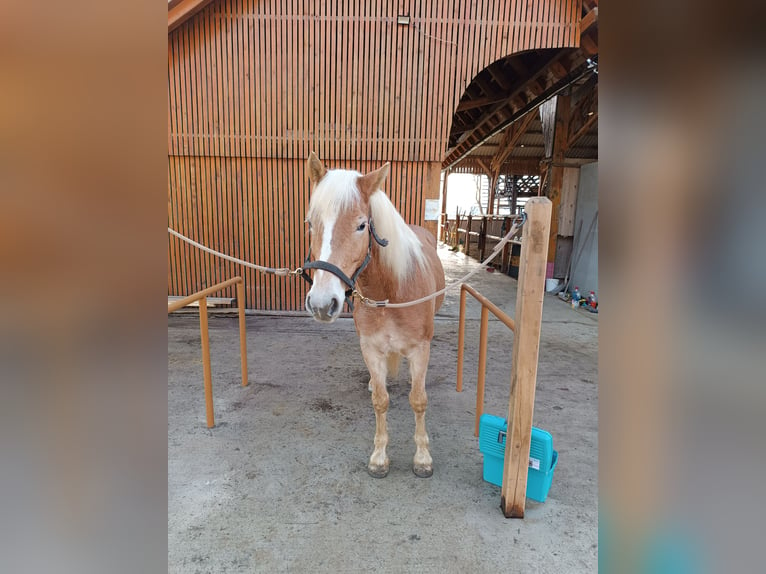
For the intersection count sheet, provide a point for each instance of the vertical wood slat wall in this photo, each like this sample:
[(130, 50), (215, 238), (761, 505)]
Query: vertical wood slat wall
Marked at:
[(253, 87)]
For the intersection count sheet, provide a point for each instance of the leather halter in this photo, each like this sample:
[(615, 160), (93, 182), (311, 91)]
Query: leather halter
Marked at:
[(335, 270)]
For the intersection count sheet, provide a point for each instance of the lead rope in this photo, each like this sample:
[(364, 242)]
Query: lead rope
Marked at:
[(385, 303), (284, 271)]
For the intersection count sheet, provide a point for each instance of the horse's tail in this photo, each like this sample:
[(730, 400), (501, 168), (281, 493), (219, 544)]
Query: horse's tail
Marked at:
[(393, 360)]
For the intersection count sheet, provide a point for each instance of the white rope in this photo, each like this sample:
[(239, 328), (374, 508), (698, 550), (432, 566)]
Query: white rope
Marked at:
[(276, 271), (372, 303), (283, 271)]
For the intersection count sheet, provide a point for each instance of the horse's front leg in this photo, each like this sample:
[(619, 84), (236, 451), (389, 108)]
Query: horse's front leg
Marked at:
[(422, 464), (376, 363)]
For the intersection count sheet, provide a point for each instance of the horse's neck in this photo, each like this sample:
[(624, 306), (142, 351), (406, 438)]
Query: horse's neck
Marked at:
[(377, 281)]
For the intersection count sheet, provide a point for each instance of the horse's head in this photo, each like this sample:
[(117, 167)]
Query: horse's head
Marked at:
[(339, 219)]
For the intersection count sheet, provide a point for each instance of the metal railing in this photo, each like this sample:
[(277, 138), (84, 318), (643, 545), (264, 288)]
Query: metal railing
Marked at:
[(201, 296)]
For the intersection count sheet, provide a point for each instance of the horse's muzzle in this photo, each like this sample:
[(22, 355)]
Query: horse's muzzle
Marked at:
[(325, 311)]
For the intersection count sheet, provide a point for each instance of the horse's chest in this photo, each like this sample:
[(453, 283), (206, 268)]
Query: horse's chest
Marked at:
[(390, 335)]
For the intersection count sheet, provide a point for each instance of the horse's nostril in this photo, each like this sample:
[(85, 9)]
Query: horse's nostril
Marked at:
[(308, 305), (334, 306)]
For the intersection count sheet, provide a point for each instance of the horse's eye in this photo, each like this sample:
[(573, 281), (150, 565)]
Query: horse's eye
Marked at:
[(362, 226)]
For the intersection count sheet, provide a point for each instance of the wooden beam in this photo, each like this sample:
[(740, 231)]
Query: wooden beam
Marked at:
[(583, 130), (513, 165), (588, 21), (483, 165), (588, 46), (180, 12), (516, 130), (481, 102), (526, 347)]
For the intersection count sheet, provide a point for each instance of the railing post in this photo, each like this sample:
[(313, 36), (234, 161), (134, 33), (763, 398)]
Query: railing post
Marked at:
[(529, 310), (482, 367), (482, 237), (460, 340), (468, 235), (456, 234), (205, 337), (505, 264), (242, 330)]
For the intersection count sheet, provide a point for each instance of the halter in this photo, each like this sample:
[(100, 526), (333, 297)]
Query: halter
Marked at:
[(335, 270)]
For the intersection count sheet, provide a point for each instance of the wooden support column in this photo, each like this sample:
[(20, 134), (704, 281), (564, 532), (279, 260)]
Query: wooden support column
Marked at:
[(443, 216), (493, 177), (526, 346), (565, 236), (431, 191), (554, 167)]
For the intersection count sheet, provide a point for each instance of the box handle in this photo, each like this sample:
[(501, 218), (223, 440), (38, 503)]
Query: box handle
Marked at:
[(501, 436)]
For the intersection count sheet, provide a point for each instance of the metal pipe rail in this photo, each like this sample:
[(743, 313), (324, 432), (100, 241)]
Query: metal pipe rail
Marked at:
[(201, 296), (486, 307)]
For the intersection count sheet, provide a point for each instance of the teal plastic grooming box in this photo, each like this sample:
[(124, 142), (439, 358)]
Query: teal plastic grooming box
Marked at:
[(542, 457)]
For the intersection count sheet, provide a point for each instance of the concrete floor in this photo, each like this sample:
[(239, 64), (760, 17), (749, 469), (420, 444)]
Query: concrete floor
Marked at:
[(280, 484)]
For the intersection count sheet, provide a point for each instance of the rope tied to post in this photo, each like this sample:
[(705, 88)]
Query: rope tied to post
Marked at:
[(285, 271)]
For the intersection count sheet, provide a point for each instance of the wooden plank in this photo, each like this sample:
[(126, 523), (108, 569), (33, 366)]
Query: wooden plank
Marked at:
[(526, 346), (569, 184), (211, 301)]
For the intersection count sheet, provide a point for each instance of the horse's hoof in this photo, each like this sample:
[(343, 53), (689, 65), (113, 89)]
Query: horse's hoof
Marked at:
[(377, 471), (423, 471)]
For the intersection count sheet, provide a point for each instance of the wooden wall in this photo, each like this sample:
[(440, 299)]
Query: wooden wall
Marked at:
[(253, 87)]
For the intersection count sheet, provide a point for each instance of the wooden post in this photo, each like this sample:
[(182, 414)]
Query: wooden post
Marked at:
[(468, 235), (526, 346), (460, 341), (506, 261), (556, 169), (491, 193), (482, 366), (456, 234), (482, 237), (444, 205), (242, 330), (205, 337), (431, 191)]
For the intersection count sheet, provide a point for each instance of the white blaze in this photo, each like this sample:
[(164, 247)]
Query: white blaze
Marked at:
[(326, 285)]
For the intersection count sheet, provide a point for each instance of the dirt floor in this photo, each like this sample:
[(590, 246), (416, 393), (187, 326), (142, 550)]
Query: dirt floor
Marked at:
[(280, 484)]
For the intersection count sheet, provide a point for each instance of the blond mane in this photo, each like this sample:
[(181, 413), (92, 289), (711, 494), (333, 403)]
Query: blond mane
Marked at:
[(338, 191), (404, 252)]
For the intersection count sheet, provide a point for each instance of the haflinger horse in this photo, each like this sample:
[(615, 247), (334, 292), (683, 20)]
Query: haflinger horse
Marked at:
[(360, 243)]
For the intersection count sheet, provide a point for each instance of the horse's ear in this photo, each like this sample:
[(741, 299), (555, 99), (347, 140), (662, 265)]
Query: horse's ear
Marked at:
[(315, 168), (373, 181)]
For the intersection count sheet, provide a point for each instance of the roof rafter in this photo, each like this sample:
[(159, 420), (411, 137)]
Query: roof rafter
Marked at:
[(179, 11)]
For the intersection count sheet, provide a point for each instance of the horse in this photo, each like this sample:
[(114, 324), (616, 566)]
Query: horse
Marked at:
[(360, 244)]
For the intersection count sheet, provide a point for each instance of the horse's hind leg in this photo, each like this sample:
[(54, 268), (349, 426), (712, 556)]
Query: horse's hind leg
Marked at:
[(422, 464), (376, 363)]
